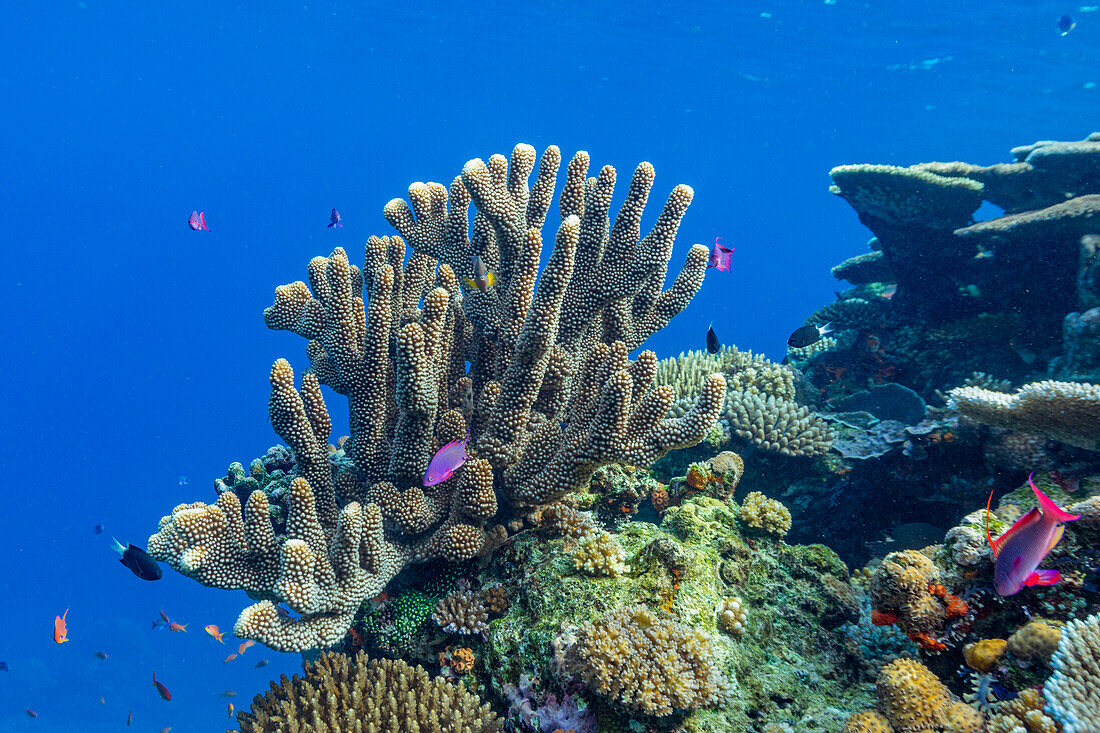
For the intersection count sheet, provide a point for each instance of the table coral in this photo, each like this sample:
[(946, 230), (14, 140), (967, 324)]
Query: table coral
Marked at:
[(540, 378), (1065, 411)]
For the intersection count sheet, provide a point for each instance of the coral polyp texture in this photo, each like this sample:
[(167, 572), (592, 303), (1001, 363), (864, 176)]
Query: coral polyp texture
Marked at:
[(648, 664), (539, 378), (340, 693), (1073, 691), (1065, 411), (911, 698)]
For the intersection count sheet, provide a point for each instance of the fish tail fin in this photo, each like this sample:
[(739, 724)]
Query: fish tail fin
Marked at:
[(1043, 577), (1050, 509), (117, 546), (202, 220), (490, 278)]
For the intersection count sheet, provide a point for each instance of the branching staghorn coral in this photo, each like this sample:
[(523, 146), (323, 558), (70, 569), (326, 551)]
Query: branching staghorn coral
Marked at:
[(549, 395)]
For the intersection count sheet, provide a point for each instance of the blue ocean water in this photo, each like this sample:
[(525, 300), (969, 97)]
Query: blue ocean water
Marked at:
[(135, 357)]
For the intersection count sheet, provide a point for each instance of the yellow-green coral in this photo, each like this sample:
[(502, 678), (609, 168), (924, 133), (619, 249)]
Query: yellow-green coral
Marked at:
[(769, 515), (599, 554), (732, 616)]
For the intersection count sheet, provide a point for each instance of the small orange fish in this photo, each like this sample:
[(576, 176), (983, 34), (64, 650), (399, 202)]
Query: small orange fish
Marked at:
[(229, 693), (164, 616), (102, 701), (60, 630), (31, 713), (129, 718), (166, 730), (245, 645), (231, 710), (212, 629), (161, 689), (229, 659), (177, 627)]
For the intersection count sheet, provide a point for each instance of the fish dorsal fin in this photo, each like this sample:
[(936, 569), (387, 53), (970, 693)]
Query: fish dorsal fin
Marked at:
[(1032, 515), (1050, 509)]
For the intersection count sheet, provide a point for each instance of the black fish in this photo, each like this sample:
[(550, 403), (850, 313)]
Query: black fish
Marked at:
[(712, 340), (3, 666), (138, 561), (807, 335), (98, 529), (1066, 24)]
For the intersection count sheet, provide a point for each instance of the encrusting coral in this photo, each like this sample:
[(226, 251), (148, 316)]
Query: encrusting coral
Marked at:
[(549, 396), (339, 693), (911, 698)]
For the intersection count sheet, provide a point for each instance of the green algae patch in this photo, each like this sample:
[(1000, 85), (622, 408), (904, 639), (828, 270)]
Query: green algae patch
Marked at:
[(791, 663)]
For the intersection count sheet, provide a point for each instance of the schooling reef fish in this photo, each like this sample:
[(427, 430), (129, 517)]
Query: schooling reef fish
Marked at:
[(1019, 551), (334, 219), (60, 630), (98, 529), (197, 221), (173, 626), (138, 561), (213, 630), (245, 645), (229, 659), (712, 340), (719, 256), (101, 655), (1065, 25), (808, 335), (483, 278), (161, 689), (262, 663), (446, 461)]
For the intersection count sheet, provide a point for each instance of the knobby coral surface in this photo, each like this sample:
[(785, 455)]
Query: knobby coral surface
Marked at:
[(540, 378)]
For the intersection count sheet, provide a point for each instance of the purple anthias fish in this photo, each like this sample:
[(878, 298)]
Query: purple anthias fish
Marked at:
[(446, 461), (719, 256), (334, 219), (1019, 551), (197, 221)]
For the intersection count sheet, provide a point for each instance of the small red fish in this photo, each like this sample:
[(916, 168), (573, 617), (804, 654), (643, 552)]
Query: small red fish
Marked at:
[(31, 713), (1019, 551), (60, 630), (161, 689), (229, 659), (245, 645), (164, 617), (719, 256), (177, 627), (197, 221), (129, 718), (334, 219), (102, 701), (101, 655), (212, 629), (231, 708), (166, 730)]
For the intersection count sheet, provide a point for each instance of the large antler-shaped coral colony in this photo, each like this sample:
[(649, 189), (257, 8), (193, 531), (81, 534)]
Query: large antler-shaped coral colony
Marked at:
[(539, 376)]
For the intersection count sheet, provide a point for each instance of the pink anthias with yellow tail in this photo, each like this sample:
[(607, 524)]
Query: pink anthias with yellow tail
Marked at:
[(1019, 551)]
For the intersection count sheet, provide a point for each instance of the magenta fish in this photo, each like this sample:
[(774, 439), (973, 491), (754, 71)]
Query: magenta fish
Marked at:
[(1019, 551), (197, 221), (719, 256), (334, 219), (446, 461)]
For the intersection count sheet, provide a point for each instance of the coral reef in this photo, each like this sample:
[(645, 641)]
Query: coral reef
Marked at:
[(1065, 411), (760, 512), (549, 396), (374, 696), (911, 698), (1073, 692)]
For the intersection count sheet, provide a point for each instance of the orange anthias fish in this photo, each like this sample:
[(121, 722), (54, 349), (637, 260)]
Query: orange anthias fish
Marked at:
[(177, 627), (231, 710), (1019, 551), (229, 659), (31, 713), (161, 689), (213, 631), (245, 645), (129, 718), (60, 630)]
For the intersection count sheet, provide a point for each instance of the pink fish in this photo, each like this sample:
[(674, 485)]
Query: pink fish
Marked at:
[(334, 219), (719, 256), (447, 460), (1019, 551), (197, 221)]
